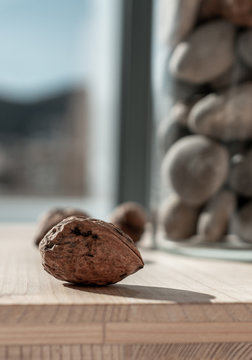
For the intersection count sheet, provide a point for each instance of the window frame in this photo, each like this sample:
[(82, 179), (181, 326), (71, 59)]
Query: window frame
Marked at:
[(135, 137)]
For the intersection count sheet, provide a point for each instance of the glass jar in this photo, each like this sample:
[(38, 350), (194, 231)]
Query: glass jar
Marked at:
[(202, 166)]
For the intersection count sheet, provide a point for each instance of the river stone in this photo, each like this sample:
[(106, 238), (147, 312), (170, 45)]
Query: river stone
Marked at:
[(206, 54), (181, 91), (245, 47), (237, 74), (209, 9), (213, 220), (169, 132), (240, 177), (176, 19), (226, 116), (196, 167), (242, 223), (173, 127), (183, 20), (239, 12), (179, 113), (178, 219)]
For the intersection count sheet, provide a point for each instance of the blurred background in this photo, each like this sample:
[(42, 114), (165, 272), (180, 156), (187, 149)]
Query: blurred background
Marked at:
[(74, 105)]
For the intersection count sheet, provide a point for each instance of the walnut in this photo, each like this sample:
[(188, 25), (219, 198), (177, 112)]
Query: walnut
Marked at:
[(89, 251), (130, 217), (53, 217)]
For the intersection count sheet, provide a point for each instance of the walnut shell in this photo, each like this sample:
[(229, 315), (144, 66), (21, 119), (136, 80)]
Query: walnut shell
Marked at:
[(53, 217), (131, 218), (89, 251)]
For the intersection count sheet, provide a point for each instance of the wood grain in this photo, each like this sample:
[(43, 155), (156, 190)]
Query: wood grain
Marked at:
[(214, 351), (123, 333), (173, 301), (52, 334)]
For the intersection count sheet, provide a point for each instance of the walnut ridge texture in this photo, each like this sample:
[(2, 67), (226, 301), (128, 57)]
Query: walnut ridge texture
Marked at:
[(89, 251), (53, 217)]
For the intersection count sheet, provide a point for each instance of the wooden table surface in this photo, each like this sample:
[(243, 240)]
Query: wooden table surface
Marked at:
[(175, 308)]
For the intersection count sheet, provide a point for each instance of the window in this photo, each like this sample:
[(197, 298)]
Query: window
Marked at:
[(59, 92)]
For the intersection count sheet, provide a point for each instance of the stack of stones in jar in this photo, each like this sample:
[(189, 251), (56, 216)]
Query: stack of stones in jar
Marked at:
[(206, 139)]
